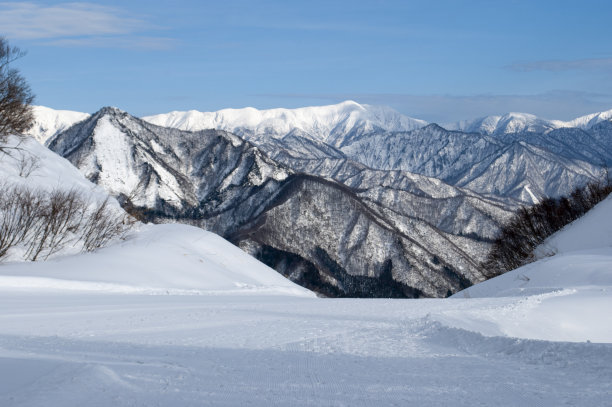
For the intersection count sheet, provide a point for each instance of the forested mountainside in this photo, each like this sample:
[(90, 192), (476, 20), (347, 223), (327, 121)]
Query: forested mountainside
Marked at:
[(518, 156), (353, 239)]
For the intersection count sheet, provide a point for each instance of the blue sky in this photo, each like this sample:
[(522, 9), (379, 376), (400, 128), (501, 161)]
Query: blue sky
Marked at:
[(435, 60)]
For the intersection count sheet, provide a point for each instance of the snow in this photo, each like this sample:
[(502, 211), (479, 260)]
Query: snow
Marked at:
[(115, 158), (48, 122), (534, 198), (589, 120), (319, 122), (178, 316), (49, 170), (80, 348), (565, 296), (518, 122), (593, 230), (156, 259)]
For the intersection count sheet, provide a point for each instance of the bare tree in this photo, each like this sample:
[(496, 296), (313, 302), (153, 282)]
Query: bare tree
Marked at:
[(530, 226), (42, 223), (27, 164), (16, 97), (102, 225), (19, 213), (61, 219)]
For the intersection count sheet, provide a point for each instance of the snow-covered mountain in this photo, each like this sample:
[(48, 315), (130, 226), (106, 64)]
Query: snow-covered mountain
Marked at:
[(307, 139), (442, 193), (48, 122), (508, 123), (525, 122), (170, 172), (510, 167), (331, 124), (406, 233)]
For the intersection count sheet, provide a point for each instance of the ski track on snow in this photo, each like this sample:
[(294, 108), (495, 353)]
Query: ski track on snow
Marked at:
[(100, 350)]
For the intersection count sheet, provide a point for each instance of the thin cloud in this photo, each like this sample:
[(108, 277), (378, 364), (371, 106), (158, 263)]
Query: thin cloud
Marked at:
[(135, 42), (560, 65), (77, 24)]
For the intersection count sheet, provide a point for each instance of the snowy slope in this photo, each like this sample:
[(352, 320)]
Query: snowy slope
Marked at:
[(156, 259), (26, 162), (569, 294), (592, 231), (48, 122), (581, 256), (565, 297), (484, 164)]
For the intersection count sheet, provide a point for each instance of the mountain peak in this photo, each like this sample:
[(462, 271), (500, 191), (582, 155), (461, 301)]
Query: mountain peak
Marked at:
[(110, 110), (516, 122), (330, 123)]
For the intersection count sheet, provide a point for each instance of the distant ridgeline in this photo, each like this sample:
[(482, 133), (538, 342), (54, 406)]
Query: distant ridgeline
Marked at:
[(347, 200)]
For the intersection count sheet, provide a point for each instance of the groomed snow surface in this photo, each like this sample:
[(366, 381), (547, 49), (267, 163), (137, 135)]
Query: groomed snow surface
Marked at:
[(176, 316)]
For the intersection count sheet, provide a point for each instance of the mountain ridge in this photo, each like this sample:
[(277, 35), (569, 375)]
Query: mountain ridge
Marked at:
[(49, 122), (345, 238), (514, 122)]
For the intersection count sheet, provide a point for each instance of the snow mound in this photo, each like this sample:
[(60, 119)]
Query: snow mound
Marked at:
[(157, 259), (571, 272)]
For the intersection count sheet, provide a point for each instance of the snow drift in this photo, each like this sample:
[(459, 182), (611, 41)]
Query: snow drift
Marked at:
[(157, 259)]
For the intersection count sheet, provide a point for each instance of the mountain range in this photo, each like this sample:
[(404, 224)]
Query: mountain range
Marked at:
[(381, 138), (348, 199)]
